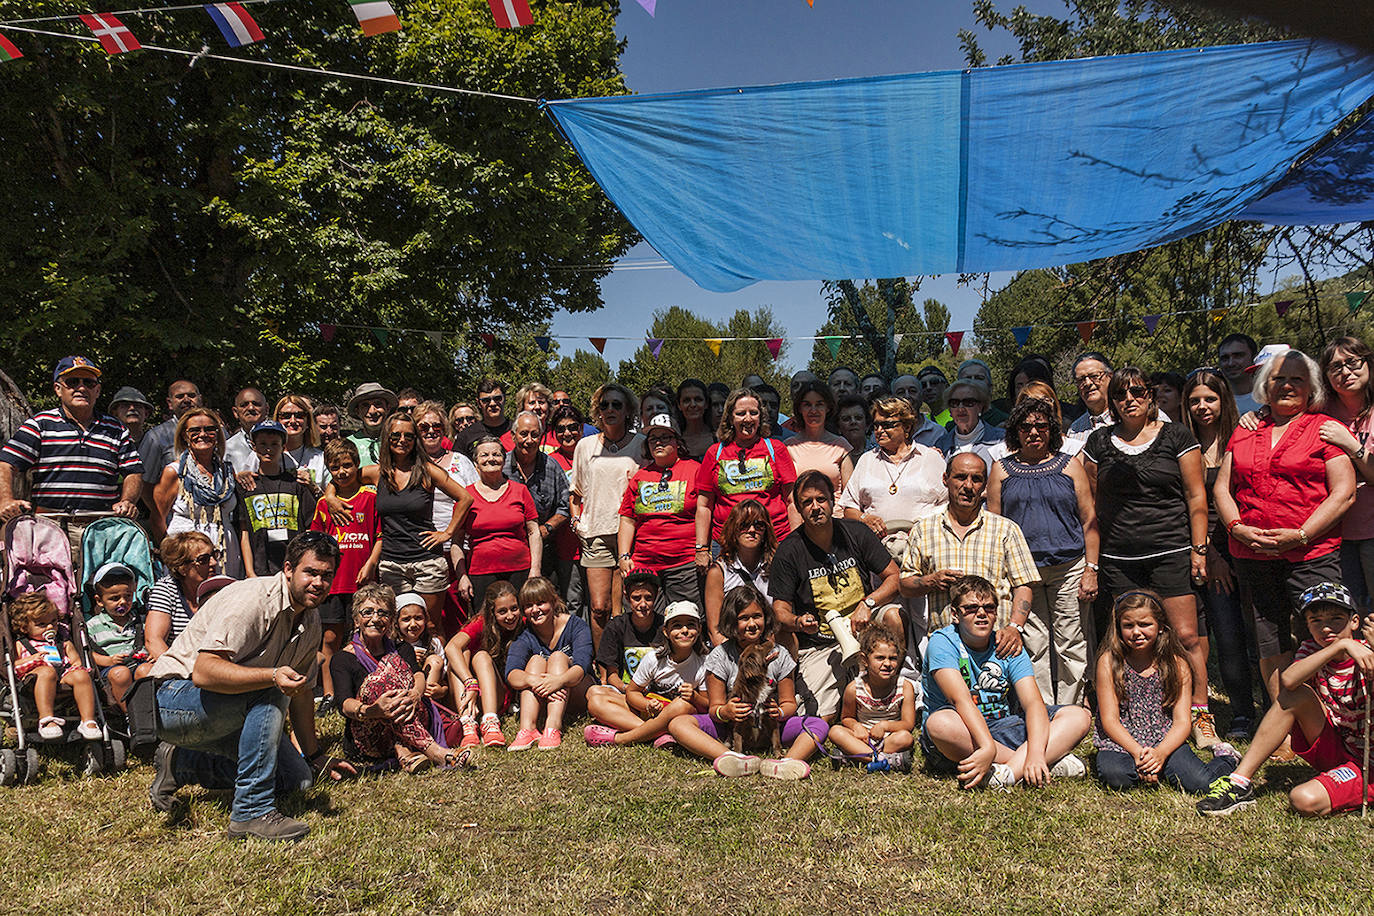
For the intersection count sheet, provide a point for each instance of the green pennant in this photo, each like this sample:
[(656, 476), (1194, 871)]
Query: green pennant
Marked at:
[(1353, 301), (834, 344), (381, 334)]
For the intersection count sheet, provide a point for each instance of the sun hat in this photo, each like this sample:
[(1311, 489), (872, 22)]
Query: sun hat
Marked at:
[(127, 395), (406, 599), (1266, 353), (367, 391)]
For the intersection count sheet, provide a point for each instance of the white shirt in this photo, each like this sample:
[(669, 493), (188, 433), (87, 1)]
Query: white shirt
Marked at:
[(919, 479)]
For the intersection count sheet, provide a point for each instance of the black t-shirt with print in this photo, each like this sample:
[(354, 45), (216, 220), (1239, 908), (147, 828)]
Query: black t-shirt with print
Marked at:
[(814, 581)]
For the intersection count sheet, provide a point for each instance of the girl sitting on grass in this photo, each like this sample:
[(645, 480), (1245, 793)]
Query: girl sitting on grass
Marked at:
[(878, 709), (549, 663), (1144, 706), (745, 621), (412, 626), (476, 659), (668, 682)]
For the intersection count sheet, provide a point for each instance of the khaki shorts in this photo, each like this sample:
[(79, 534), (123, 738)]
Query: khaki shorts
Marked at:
[(820, 680), (428, 577), (598, 552)]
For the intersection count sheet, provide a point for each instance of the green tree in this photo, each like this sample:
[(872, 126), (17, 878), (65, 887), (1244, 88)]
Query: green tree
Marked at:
[(865, 330), (686, 354), (207, 219), (580, 375)]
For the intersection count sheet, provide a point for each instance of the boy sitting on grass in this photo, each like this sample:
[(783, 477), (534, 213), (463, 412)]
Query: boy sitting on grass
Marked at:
[(1321, 706), (970, 729)]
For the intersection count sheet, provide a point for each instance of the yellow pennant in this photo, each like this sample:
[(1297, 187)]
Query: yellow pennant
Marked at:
[(714, 344), (1217, 314)]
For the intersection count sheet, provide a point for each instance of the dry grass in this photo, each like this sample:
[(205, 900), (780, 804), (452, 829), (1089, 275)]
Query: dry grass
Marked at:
[(614, 831)]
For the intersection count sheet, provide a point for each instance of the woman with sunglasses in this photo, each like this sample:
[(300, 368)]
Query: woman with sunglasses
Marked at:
[(1151, 502), (601, 469), (694, 406), (897, 481), (196, 491), (460, 417), (1046, 492), (432, 426), (303, 451), (747, 545), (967, 401), (174, 599), (412, 557), (565, 423), (658, 515), (815, 447), (1349, 388)]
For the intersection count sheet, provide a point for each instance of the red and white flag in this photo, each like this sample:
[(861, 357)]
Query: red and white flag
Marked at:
[(511, 14), (114, 36)]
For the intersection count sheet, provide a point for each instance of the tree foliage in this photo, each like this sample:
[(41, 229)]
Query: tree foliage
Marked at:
[(685, 353), (204, 218), (580, 375), (923, 330)]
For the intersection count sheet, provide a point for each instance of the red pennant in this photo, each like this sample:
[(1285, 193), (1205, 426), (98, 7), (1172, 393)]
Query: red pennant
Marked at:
[(1085, 330), (955, 338), (327, 331), (488, 339), (1282, 306), (775, 346), (511, 14), (599, 343)]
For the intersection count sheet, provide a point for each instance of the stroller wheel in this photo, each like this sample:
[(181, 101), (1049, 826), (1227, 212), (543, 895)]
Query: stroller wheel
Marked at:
[(33, 765), (119, 755), (92, 759), (9, 767)]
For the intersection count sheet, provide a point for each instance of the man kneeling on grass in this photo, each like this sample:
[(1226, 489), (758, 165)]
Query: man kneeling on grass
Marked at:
[(1321, 706), (227, 685), (970, 729)]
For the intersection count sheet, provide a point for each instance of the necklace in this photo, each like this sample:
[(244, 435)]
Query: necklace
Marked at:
[(901, 469), (614, 446)]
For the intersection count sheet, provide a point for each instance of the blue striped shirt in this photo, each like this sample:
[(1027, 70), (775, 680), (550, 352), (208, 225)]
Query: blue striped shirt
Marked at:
[(74, 469)]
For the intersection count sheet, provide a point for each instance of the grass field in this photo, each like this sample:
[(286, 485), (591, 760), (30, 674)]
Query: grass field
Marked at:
[(586, 830)]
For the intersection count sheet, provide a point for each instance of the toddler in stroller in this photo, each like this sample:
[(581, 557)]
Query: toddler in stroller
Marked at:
[(46, 656)]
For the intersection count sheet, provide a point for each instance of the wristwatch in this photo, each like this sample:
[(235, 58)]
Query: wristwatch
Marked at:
[(870, 602), (1020, 628), (1200, 549)]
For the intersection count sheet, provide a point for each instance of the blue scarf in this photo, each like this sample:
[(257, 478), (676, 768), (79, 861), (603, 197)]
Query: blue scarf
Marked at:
[(220, 489)]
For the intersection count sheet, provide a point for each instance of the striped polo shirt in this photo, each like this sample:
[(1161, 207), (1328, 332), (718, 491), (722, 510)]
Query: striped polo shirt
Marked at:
[(74, 469)]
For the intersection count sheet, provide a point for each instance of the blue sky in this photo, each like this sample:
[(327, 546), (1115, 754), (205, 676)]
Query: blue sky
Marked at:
[(695, 44)]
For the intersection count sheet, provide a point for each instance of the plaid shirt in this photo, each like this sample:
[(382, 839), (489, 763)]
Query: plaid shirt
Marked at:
[(993, 547)]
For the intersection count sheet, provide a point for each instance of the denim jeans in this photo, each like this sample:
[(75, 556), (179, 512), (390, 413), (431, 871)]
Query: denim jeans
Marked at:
[(1182, 770), (232, 741)]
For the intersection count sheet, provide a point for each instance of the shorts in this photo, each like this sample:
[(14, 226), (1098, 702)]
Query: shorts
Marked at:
[(336, 610), (1340, 775), (791, 729), (428, 577), (102, 673), (1169, 575), (1270, 588), (598, 551), (820, 679), (1008, 731)]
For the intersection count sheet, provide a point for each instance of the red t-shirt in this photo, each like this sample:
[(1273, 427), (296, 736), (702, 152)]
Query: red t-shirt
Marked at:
[(499, 541), (473, 629), (767, 475), (356, 532), (664, 513), (564, 461), (1280, 487)]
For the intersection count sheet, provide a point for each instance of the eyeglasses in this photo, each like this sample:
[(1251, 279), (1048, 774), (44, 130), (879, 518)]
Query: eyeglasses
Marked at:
[(401, 437), (81, 381), (315, 538), (374, 612), (194, 431), (988, 609), (430, 427), (611, 405), (492, 399), (291, 415), (965, 402), (1139, 392), (1033, 427), (886, 424), (1092, 378), (1350, 365)]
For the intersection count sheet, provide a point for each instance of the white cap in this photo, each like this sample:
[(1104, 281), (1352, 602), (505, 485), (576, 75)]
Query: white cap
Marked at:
[(406, 599), (110, 569), (682, 609), (1266, 353), (661, 420)]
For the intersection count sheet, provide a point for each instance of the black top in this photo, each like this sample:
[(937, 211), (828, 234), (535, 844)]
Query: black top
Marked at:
[(622, 646), (406, 516), (1142, 507), (477, 431), (348, 675), (278, 508), (815, 582)]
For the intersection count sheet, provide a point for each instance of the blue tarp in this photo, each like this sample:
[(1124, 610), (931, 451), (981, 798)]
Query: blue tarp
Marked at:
[(1335, 185), (992, 169)]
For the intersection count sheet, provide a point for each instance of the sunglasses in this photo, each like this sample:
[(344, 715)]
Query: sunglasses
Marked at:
[(81, 382), (965, 402), (754, 526), (291, 415), (659, 441), (568, 428), (315, 538), (205, 558), (886, 424), (430, 427), (246, 404), (1201, 369), (401, 437), (988, 609), (1033, 427), (560, 402), (492, 399), (1139, 392), (612, 405)]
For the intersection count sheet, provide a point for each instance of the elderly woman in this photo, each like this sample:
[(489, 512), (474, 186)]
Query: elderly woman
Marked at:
[(851, 421), (174, 599), (196, 491), (502, 528), (528, 463), (980, 373), (896, 481), (658, 514), (386, 715), (747, 545), (815, 447), (694, 406), (1281, 493), (1047, 494), (967, 431), (460, 417), (1151, 505)]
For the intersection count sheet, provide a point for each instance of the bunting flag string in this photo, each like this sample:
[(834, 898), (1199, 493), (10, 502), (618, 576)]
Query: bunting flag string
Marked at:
[(375, 17), (655, 345), (1021, 334), (511, 14), (114, 36), (1151, 322), (897, 339), (1281, 307), (833, 343), (1354, 300), (488, 339), (234, 23), (599, 343), (543, 342), (714, 344), (954, 338), (8, 51), (381, 334), (327, 331), (649, 6), (1085, 330), (774, 345), (1217, 315)]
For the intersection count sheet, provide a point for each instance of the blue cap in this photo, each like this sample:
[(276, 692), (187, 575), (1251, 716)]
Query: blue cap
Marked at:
[(1326, 593), (69, 364), (268, 426)]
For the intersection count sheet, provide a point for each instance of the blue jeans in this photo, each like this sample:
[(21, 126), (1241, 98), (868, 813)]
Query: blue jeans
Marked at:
[(1182, 770), (1226, 626), (232, 741)]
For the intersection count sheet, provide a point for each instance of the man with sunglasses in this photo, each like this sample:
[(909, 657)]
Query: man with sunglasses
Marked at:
[(82, 461), (491, 407)]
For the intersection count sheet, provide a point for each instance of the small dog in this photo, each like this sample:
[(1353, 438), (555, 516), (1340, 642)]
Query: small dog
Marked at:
[(753, 687)]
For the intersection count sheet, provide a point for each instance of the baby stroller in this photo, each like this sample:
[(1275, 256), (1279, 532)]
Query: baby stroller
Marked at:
[(37, 557)]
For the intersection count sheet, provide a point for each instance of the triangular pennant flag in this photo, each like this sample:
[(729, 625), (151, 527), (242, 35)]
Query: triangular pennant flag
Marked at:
[(834, 344), (488, 338), (599, 343), (8, 51), (897, 339), (435, 337), (511, 14), (1282, 306), (774, 345), (327, 331), (114, 36), (714, 344), (234, 23), (1353, 301), (954, 338), (1151, 322), (381, 335), (1217, 314), (649, 5), (655, 345), (1085, 330), (375, 16), (1022, 334), (543, 342)]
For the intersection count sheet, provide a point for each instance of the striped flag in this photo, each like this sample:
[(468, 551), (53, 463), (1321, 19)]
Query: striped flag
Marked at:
[(511, 14), (114, 36), (7, 50), (237, 27), (375, 16)]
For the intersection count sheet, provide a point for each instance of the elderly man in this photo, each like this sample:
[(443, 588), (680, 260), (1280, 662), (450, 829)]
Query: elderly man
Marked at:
[(527, 463), (155, 450), (1092, 373), (250, 407), (370, 405), (131, 408), (243, 665), (968, 540), (82, 461), (843, 382)]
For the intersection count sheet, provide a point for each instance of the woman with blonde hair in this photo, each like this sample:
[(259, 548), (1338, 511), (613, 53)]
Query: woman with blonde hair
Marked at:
[(196, 491)]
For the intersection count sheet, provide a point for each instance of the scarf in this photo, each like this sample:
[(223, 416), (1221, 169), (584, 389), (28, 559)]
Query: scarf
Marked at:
[(974, 435), (365, 657), (216, 492)]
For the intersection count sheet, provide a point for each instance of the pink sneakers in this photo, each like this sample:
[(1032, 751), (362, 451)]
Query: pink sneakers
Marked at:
[(599, 736), (525, 739), (550, 740)]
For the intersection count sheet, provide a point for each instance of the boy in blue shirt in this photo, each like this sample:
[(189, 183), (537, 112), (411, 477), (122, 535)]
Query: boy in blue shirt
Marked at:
[(971, 729)]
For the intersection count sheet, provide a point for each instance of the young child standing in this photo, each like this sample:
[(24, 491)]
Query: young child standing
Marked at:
[(46, 654), (1144, 709), (878, 708), (277, 505), (476, 661), (115, 629), (356, 529), (969, 729), (668, 682), (1321, 707)]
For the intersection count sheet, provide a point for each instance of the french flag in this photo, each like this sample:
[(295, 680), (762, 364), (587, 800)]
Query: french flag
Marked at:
[(237, 27)]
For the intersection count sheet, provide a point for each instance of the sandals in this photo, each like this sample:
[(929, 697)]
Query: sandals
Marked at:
[(464, 759), (416, 763)]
